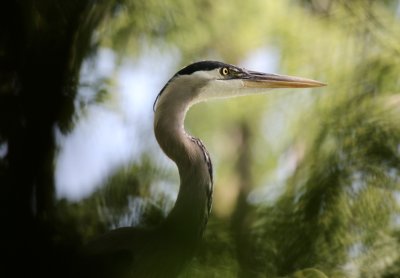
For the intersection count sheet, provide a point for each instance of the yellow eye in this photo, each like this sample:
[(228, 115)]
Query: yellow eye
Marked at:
[(224, 71)]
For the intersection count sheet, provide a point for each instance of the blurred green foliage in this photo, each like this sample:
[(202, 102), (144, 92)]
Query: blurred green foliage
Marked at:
[(307, 183), (337, 211)]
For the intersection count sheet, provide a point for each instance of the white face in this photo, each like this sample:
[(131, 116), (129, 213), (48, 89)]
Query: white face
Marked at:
[(189, 89), (217, 86)]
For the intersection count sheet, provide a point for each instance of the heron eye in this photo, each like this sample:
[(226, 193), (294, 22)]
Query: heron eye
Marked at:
[(224, 71)]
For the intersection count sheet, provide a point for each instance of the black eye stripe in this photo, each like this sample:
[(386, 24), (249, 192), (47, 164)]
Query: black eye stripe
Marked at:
[(199, 66)]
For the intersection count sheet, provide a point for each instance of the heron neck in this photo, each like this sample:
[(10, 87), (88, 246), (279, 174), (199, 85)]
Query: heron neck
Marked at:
[(190, 212)]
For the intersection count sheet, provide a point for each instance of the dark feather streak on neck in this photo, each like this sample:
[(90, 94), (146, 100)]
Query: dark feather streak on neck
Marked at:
[(208, 161)]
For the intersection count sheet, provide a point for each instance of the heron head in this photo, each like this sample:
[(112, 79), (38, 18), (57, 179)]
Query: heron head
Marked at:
[(206, 80)]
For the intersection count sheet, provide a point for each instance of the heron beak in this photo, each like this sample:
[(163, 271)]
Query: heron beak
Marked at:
[(254, 79)]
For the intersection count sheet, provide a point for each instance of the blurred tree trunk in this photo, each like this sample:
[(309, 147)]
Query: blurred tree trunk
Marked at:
[(246, 254), (42, 46)]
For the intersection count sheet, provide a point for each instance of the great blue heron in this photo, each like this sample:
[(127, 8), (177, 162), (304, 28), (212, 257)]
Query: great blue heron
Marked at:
[(163, 251)]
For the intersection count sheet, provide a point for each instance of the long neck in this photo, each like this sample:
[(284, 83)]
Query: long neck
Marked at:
[(190, 213)]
